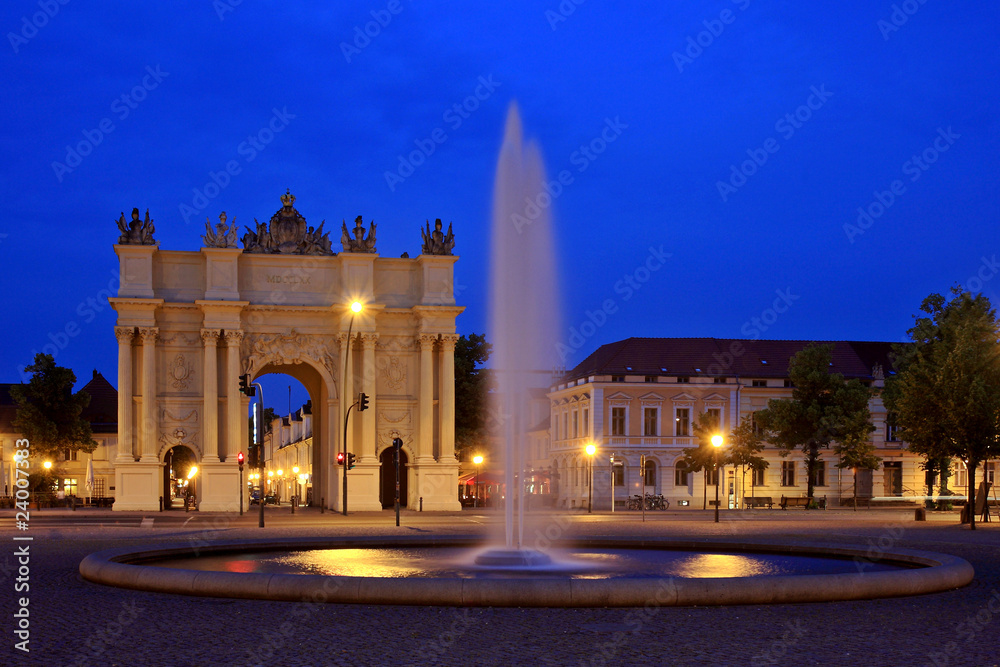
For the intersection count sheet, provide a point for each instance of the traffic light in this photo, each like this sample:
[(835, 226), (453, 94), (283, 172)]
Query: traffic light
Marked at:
[(245, 386), (340, 458), (362, 402), (350, 461), (239, 459)]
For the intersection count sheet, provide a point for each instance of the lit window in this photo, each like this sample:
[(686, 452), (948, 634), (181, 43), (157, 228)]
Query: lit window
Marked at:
[(683, 422)]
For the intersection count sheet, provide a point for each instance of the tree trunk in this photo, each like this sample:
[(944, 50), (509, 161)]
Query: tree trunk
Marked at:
[(704, 500), (855, 491), (972, 494), (743, 483), (811, 470)]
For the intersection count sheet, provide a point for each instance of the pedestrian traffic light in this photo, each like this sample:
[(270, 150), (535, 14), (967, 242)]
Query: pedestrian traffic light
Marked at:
[(350, 461), (245, 386), (362, 402), (239, 459), (340, 458)]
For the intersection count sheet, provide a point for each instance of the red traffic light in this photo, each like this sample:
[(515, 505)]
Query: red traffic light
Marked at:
[(340, 458), (239, 458)]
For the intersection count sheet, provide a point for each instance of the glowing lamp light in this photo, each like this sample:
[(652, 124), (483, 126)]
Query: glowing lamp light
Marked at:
[(591, 449), (717, 441), (478, 460), (356, 307), (47, 465), (192, 472)]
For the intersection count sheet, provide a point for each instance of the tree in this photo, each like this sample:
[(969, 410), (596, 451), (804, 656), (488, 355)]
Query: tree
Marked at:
[(48, 411), (702, 457), (823, 408), (857, 452), (945, 392), (472, 384), (745, 446)]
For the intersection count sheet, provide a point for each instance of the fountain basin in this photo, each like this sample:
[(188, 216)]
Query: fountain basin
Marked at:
[(924, 572)]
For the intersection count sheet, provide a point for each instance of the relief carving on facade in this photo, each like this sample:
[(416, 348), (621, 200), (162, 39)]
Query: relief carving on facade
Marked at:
[(180, 372), (180, 436), (178, 338), (169, 417), (393, 372), (258, 350)]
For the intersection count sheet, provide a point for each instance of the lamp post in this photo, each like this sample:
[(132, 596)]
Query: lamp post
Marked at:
[(716, 443), (591, 449), (295, 481), (355, 309), (478, 460)]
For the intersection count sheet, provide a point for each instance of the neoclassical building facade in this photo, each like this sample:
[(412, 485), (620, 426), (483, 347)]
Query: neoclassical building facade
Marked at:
[(189, 324), (641, 397)]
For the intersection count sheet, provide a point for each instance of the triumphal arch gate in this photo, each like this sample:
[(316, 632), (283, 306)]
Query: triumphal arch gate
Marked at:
[(191, 322)]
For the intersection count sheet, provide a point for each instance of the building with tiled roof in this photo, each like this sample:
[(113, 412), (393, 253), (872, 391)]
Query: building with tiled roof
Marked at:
[(642, 396)]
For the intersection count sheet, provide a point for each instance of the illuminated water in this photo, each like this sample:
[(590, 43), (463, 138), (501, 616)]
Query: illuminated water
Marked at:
[(523, 308), (587, 564)]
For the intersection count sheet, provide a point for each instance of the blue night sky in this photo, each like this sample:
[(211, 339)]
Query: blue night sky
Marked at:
[(843, 105)]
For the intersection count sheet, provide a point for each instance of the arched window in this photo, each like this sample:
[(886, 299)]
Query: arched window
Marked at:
[(649, 474), (681, 473)]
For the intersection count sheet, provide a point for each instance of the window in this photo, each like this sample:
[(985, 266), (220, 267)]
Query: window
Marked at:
[(721, 380), (69, 454), (788, 473), (617, 421), (758, 477), (711, 476), (586, 421), (650, 378), (759, 383), (617, 378), (757, 429), (891, 428), (715, 417), (683, 379), (69, 486), (788, 384), (619, 472), (681, 473), (566, 425), (555, 429), (576, 424), (649, 418), (683, 422), (819, 478), (649, 474), (989, 472)]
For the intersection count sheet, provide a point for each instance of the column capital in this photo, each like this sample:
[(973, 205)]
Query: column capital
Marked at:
[(233, 338), (210, 336), (448, 341), (124, 334), (369, 340), (149, 334), (426, 340)]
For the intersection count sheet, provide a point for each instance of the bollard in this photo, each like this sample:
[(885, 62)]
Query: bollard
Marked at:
[(74, 502), (421, 503), (161, 503), (293, 504), (920, 514), (322, 505)]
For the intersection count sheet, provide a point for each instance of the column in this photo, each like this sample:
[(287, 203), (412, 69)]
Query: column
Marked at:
[(347, 393), (425, 400), (233, 402), (210, 406), (447, 398), (369, 437), (125, 451), (148, 429)]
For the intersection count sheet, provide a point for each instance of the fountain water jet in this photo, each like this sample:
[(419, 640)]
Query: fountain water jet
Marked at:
[(523, 317)]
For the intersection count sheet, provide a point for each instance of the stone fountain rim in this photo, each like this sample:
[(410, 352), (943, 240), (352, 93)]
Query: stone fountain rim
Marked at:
[(929, 573)]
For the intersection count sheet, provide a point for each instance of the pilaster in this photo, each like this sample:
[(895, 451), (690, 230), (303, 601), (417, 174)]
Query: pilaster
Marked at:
[(366, 450), (425, 399), (447, 398), (210, 404), (126, 453), (148, 427), (233, 402)]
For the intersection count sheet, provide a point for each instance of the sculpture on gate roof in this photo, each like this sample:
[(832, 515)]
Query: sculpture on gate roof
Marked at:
[(287, 233), (222, 236), (437, 242), (136, 231), (359, 243)]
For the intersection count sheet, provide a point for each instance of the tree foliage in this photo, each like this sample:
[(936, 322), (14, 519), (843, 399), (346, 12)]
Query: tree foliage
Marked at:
[(702, 457), (745, 446), (945, 394), (823, 408), (472, 384), (48, 411)]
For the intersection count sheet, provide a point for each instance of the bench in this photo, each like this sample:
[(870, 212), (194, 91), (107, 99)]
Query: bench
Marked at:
[(758, 501), (803, 502)]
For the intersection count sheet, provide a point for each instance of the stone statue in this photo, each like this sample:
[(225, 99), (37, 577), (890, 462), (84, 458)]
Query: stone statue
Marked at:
[(437, 242), (359, 243), (287, 233), (222, 236), (877, 372), (136, 232)]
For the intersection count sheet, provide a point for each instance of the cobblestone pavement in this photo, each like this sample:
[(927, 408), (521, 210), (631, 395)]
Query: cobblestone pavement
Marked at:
[(74, 622)]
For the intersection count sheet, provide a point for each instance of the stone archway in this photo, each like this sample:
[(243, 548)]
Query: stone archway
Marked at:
[(177, 462), (190, 324)]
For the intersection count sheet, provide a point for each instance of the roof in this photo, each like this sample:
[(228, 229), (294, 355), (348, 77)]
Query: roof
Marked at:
[(724, 357)]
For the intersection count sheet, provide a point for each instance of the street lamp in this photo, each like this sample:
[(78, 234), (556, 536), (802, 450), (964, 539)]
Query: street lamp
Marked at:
[(295, 475), (356, 308), (716, 443), (478, 460), (591, 449)]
